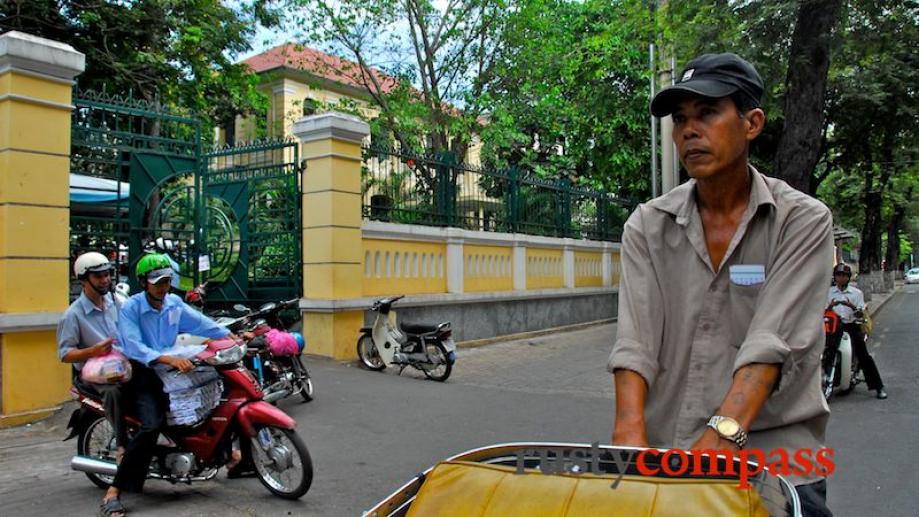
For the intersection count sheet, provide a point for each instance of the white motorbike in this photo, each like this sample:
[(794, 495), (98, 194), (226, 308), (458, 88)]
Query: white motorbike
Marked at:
[(842, 375), (429, 348)]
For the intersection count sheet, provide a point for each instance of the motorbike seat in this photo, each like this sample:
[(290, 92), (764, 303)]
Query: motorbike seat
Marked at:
[(258, 343), (418, 328)]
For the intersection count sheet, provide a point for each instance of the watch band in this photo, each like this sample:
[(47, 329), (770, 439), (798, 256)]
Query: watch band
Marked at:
[(739, 437)]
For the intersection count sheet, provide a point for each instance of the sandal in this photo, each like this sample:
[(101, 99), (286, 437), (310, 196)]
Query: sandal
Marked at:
[(112, 508), (236, 457)]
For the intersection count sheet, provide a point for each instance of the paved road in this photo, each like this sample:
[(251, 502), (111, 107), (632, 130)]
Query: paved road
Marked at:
[(370, 432), (875, 440)]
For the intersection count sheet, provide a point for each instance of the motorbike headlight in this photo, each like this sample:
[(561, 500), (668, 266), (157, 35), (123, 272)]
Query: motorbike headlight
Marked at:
[(231, 355)]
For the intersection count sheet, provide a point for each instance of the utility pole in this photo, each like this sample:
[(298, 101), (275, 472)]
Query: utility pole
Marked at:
[(669, 164), (654, 189)]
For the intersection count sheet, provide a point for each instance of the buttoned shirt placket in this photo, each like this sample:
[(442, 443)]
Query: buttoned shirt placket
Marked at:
[(692, 414)]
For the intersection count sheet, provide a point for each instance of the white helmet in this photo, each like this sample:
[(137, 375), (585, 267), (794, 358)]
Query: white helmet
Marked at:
[(164, 245), (91, 262)]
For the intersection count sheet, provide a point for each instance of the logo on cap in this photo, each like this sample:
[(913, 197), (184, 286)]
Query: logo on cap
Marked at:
[(687, 75)]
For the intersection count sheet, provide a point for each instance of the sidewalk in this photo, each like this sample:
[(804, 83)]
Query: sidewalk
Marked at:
[(879, 299)]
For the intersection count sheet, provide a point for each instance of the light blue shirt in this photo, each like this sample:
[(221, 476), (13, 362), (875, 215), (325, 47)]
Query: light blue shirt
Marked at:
[(84, 325), (147, 332)]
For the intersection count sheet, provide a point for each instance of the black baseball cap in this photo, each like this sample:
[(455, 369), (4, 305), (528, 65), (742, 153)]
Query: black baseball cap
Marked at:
[(842, 269), (713, 76)]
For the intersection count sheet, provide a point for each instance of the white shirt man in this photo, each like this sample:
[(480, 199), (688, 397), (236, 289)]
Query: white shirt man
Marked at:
[(852, 295)]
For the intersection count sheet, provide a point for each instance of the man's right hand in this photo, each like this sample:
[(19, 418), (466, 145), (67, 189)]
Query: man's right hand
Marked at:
[(183, 365), (102, 347)]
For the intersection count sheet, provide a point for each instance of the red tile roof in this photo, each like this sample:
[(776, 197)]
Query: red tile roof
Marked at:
[(318, 63)]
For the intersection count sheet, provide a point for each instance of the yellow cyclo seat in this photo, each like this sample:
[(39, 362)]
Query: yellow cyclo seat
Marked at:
[(459, 488)]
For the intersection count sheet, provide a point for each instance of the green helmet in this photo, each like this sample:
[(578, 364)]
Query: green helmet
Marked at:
[(152, 262)]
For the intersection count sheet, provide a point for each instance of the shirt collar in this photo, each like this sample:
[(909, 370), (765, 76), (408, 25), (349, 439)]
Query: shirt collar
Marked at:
[(146, 307), (681, 201), (88, 306)]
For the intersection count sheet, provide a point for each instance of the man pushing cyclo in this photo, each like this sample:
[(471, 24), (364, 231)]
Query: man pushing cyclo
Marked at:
[(722, 291)]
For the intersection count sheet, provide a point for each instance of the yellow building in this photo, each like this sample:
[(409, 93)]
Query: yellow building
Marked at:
[(301, 81)]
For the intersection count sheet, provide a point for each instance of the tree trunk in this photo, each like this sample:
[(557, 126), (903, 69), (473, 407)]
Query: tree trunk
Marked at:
[(893, 241), (869, 254), (805, 90)]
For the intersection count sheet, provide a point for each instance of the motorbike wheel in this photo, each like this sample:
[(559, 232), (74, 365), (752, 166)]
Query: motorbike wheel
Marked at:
[(97, 440), (830, 378), (853, 379), (285, 468), (306, 389), (304, 382), (367, 352), (441, 368)]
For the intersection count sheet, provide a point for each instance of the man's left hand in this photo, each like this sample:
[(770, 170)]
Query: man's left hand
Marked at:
[(711, 440)]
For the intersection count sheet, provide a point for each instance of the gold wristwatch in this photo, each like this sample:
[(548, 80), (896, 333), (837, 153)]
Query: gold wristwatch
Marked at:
[(729, 429)]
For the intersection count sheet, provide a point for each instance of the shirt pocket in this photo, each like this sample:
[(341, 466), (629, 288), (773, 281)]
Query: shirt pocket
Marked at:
[(742, 307), (174, 316)]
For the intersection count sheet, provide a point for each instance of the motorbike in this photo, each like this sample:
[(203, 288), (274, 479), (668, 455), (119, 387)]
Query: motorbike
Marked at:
[(185, 454), (279, 376), (842, 375), (429, 348)]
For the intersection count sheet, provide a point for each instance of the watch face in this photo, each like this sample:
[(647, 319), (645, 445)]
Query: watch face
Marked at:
[(727, 427)]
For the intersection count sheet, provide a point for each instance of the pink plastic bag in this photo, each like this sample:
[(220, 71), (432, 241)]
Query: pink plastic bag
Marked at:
[(281, 343), (110, 368)]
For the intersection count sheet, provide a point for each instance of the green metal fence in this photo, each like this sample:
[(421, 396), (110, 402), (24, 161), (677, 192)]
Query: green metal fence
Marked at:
[(411, 188), (138, 172), (253, 220), (125, 154)]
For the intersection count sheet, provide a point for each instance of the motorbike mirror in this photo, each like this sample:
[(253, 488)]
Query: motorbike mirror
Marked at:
[(267, 307), (240, 308)]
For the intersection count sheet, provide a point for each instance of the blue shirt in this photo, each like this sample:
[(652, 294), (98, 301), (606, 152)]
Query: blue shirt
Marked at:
[(147, 332), (84, 325)]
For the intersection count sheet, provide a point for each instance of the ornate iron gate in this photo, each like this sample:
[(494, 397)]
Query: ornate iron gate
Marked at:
[(138, 173), (252, 198)]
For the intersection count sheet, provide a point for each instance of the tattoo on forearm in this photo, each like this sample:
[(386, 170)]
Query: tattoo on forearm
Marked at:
[(739, 398)]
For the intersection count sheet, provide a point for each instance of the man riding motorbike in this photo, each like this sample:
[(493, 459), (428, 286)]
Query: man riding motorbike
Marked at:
[(845, 300), (148, 325)]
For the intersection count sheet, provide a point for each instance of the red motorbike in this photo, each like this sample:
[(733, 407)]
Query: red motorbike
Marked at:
[(185, 454)]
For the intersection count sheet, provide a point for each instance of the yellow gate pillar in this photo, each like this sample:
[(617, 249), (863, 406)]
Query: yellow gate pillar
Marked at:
[(36, 79), (332, 247)]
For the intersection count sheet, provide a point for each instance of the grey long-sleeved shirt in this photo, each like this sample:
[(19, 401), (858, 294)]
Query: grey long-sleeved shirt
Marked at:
[(84, 325)]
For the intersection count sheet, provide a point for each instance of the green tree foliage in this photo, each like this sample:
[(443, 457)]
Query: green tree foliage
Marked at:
[(867, 157), (570, 93), (177, 52), (423, 64), (873, 123)]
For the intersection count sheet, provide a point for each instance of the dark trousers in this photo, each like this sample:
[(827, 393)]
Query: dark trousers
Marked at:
[(150, 405), (859, 349), (113, 400), (813, 499)]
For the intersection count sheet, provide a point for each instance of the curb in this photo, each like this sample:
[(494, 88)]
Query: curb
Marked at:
[(475, 343), (896, 289)]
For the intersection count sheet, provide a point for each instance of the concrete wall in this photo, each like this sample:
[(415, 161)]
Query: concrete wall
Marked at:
[(476, 318)]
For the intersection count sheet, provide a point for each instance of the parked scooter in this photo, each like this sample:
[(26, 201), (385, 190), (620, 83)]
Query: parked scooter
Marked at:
[(280, 370), (842, 375), (195, 453), (429, 348)]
